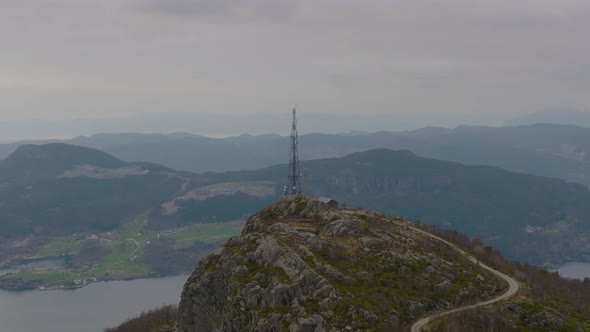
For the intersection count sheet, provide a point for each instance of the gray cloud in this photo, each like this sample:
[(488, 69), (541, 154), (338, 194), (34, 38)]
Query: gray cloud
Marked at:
[(481, 61), (221, 9)]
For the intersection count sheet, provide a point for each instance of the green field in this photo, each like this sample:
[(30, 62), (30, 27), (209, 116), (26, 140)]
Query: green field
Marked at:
[(50, 278), (207, 233), (61, 245), (134, 229)]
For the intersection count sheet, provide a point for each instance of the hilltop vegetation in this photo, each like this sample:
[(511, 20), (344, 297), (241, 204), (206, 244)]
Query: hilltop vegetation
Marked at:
[(301, 265), (547, 303)]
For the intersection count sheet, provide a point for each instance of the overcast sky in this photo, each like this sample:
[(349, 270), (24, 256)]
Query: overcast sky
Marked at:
[(430, 62)]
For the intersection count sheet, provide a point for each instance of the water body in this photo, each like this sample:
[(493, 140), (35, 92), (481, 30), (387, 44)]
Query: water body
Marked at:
[(575, 270), (88, 309)]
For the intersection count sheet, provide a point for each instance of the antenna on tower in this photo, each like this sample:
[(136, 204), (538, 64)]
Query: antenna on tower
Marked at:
[(293, 186)]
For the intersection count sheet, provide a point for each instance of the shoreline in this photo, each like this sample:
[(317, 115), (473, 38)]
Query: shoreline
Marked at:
[(89, 309), (42, 288)]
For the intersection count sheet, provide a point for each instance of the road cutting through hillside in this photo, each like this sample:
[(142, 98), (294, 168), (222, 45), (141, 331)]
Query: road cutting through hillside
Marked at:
[(512, 288)]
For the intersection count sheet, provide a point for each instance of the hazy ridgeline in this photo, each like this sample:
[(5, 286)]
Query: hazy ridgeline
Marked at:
[(549, 150)]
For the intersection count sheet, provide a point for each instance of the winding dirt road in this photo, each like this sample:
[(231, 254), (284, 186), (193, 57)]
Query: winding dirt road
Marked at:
[(512, 288)]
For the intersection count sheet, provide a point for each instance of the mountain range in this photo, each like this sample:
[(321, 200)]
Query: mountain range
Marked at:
[(549, 150)]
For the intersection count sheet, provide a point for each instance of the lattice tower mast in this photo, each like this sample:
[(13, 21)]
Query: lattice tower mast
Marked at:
[(294, 180)]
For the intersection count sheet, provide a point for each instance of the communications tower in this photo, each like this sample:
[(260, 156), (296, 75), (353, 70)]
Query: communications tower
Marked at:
[(293, 186)]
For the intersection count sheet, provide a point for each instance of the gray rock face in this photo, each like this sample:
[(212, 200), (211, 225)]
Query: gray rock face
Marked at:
[(343, 227), (444, 285), (218, 294), (312, 324)]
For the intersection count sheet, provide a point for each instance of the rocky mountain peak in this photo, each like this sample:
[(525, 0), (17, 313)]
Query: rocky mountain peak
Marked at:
[(300, 265)]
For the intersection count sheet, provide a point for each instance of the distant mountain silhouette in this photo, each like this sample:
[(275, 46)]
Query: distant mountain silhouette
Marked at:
[(564, 116), (548, 150)]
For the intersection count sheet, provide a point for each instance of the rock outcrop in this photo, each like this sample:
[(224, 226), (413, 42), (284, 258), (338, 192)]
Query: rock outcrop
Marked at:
[(301, 266)]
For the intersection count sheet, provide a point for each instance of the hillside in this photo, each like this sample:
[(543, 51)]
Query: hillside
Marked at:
[(300, 265), (30, 163), (517, 213), (103, 218), (60, 189), (549, 150), (559, 151)]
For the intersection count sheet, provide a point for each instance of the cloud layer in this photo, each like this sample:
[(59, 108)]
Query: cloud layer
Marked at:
[(65, 59)]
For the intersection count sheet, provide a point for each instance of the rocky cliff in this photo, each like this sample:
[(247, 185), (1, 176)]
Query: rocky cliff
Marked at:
[(300, 265)]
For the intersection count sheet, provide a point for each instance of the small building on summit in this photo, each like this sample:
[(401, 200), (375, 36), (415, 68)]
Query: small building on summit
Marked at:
[(331, 202)]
